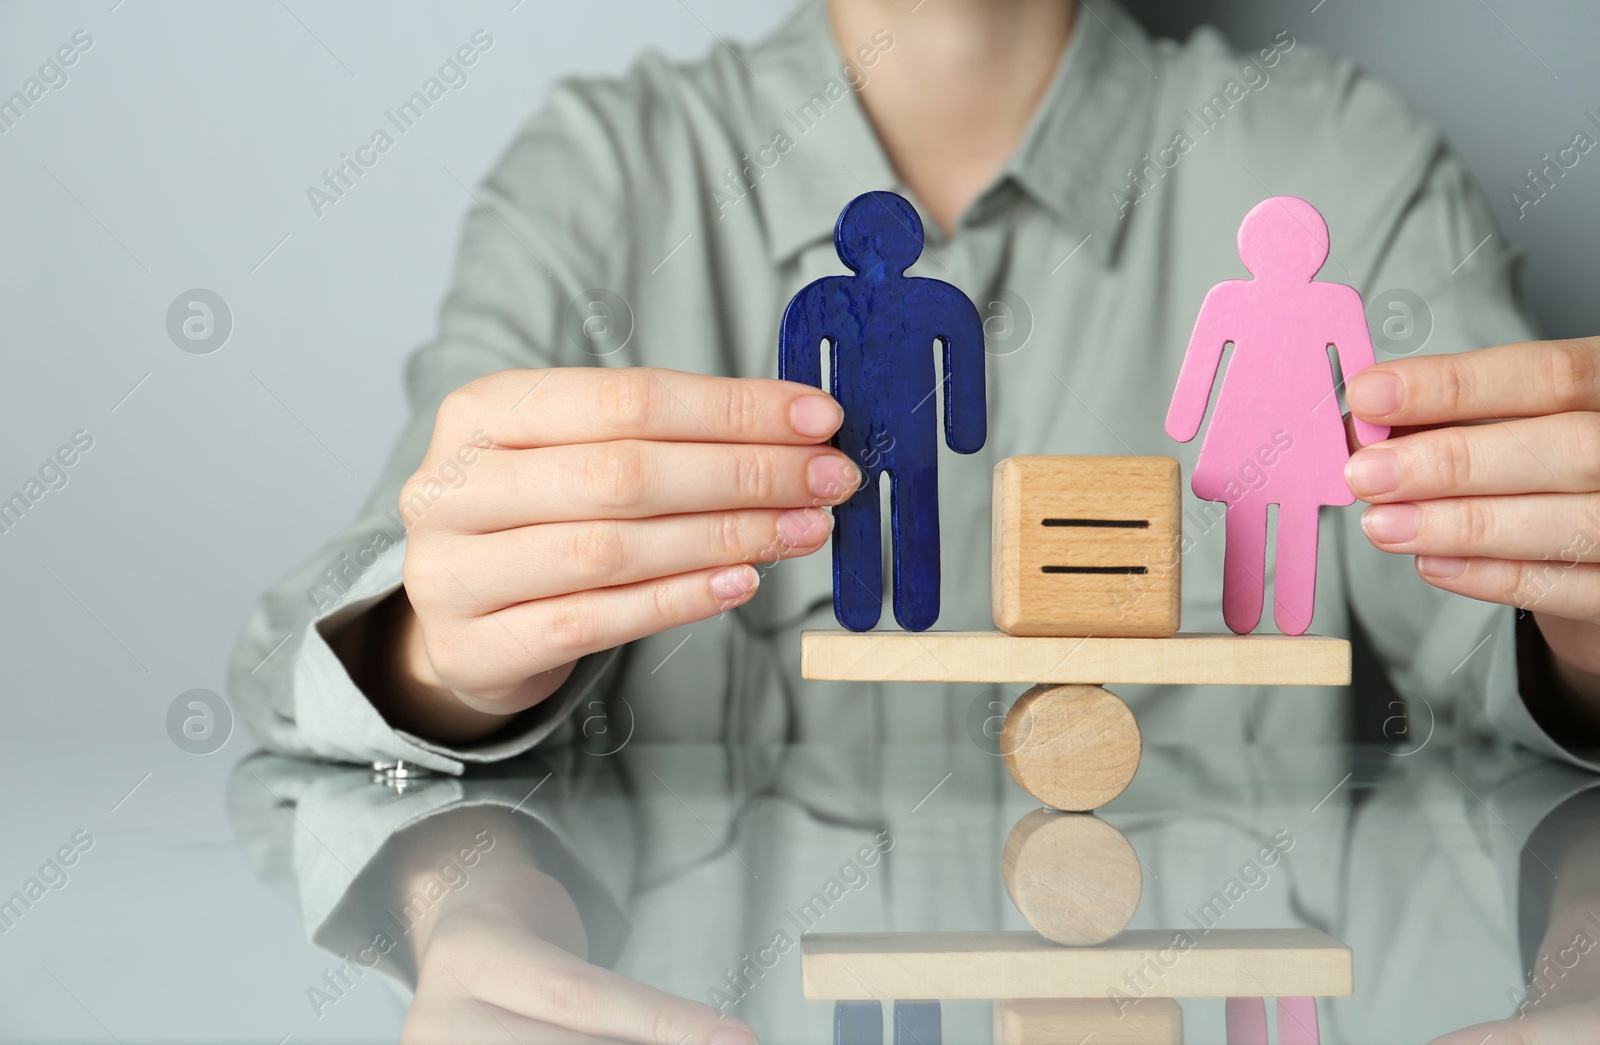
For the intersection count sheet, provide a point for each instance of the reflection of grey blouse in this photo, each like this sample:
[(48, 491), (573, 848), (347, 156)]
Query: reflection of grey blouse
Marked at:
[(1418, 864), (700, 197)]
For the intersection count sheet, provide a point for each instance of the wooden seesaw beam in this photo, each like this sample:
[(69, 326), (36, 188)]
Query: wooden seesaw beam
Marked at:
[(1160, 963), (993, 656)]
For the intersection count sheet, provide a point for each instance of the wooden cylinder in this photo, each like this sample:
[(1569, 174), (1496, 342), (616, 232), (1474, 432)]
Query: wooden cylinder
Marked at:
[(1073, 876), (1073, 748)]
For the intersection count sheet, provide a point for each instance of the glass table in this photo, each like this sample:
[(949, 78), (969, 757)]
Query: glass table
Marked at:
[(635, 893)]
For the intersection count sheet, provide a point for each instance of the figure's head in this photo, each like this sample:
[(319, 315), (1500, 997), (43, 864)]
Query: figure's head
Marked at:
[(1283, 238), (878, 230)]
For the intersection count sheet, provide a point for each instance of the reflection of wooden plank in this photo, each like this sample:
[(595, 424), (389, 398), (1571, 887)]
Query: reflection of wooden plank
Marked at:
[(1158, 963), (993, 656), (1074, 1021)]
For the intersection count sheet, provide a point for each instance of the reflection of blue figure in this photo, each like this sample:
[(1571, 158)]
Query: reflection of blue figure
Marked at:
[(881, 326)]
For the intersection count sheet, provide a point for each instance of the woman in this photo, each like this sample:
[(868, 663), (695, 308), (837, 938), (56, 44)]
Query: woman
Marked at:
[(576, 521)]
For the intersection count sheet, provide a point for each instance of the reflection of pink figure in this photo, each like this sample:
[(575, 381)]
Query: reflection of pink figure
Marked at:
[(1276, 435), (1297, 1021), (1246, 1021)]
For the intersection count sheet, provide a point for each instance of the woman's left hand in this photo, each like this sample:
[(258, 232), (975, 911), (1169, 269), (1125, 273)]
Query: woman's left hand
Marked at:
[(1491, 479)]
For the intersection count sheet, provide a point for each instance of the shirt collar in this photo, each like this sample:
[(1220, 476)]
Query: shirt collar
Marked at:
[(1092, 125), (1085, 133), (810, 143)]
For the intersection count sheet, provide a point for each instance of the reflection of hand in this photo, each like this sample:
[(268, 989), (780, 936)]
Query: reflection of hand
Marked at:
[(1506, 512), (506, 964), (1562, 1004), (1568, 1025)]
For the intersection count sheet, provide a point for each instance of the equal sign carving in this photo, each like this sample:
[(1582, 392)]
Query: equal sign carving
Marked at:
[(1104, 524)]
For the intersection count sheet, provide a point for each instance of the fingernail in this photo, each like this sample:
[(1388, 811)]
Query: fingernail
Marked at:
[(1371, 472), (815, 416), (832, 477), (801, 526), (735, 582), (1441, 567), (1391, 523), (1373, 393)]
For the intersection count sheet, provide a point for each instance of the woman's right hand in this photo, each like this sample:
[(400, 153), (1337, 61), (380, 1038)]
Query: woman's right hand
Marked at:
[(562, 512)]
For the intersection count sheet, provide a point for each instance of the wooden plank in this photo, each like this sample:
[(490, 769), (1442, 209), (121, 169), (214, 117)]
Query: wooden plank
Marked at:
[(1160, 963), (1086, 546), (994, 656)]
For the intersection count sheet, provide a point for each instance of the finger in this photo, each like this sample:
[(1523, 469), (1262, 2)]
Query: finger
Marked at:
[(1518, 380), (489, 653), (1559, 453), (556, 987), (1353, 442), (462, 1019), (1531, 526), (522, 409), (537, 562), (1561, 589), (635, 479), (1553, 1026)]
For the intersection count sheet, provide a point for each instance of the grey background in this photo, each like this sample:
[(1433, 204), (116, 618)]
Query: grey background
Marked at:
[(178, 155)]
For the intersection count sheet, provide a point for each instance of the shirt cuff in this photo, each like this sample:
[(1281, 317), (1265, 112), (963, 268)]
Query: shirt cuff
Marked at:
[(1506, 709), (338, 721)]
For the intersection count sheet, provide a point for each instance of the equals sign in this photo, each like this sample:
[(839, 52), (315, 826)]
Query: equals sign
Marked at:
[(1103, 524)]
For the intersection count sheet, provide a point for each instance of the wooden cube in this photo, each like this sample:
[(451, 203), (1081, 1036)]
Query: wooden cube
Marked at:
[(1086, 546), (1102, 1021)]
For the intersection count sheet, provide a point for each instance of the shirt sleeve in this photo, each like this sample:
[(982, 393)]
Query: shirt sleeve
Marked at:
[(543, 229), (1453, 659), (320, 837)]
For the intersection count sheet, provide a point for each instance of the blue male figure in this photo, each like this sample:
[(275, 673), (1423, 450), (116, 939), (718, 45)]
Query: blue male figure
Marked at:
[(881, 326)]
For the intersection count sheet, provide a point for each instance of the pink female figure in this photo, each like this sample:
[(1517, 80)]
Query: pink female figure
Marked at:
[(1276, 435)]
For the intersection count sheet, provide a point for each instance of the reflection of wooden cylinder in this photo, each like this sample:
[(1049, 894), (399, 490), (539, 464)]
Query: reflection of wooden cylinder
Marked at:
[(1073, 876), (1070, 1021), (1071, 747)]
